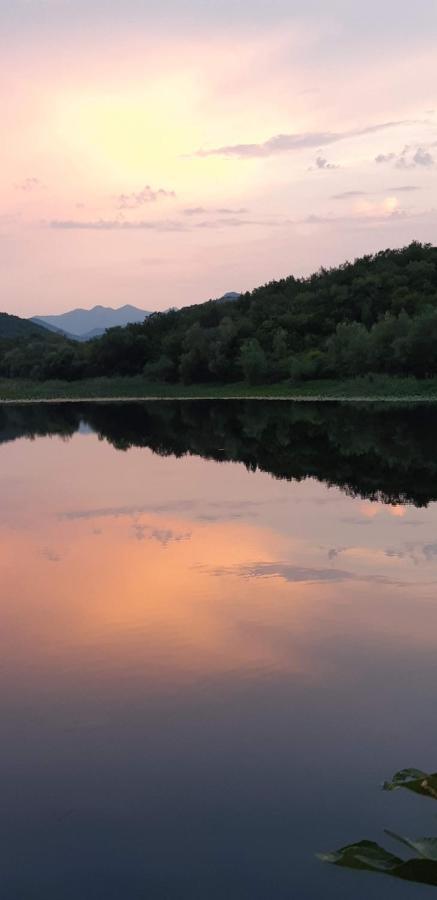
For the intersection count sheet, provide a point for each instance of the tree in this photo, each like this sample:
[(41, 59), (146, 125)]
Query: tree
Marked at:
[(253, 361)]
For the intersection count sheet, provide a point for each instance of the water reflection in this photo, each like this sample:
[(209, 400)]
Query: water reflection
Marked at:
[(204, 669), (378, 451)]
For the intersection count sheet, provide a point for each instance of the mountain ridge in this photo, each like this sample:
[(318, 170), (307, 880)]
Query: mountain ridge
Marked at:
[(81, 324)]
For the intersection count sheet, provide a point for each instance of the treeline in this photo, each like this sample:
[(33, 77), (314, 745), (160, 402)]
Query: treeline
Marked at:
[(380, 452), (375, 315)]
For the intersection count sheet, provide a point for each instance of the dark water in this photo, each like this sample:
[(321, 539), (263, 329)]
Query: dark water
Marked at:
[(218, 637)]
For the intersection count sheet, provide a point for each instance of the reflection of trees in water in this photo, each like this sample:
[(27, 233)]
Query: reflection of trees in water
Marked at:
[(371, 857), (378, 451)]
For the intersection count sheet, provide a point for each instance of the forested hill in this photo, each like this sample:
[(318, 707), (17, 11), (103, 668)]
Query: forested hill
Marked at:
[(12, 327), (375, 315)]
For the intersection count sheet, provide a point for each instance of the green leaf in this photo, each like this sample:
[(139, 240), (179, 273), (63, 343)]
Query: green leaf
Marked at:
[(368, 856), (425, 847), (414, 780), (364, 855)]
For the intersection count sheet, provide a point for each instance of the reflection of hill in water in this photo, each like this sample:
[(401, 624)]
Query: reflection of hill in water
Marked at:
[(378, 451)]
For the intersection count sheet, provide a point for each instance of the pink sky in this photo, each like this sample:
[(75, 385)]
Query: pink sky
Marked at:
[(160, 159)]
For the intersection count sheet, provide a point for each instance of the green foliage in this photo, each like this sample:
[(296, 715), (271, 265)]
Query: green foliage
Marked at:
[(414, 780), (28, 350), (377, 315), (252, 361), (12, 327), (371, 857)]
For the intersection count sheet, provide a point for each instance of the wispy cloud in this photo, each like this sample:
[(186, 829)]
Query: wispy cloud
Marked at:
[(349, 195), (355, 195), (141, 198), (404, 188), (199, 509), (221, 211), (164, 225), (297, 574), (286, 143), (116, 225), (374, 214)]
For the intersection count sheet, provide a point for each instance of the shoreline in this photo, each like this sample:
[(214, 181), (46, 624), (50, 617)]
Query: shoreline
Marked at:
[(131, 389), (293, 398)]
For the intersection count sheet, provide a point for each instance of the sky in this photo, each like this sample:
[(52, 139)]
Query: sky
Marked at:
[(162, 154)]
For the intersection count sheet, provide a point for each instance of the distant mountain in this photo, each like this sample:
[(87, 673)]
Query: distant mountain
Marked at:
[(94, 333), (231, 295), (12, 327), (87, 323), (52, 329)]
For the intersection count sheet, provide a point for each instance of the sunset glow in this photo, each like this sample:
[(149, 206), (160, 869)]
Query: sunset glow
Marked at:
[(169, 158)]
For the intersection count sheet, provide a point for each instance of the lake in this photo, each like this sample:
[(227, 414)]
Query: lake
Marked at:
[(218, 639)]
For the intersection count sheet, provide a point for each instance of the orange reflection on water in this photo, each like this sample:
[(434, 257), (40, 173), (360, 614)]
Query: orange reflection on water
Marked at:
[(236, 575), (144, 595)]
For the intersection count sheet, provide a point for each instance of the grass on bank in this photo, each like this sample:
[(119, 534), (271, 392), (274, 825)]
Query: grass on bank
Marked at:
[(377, 387)]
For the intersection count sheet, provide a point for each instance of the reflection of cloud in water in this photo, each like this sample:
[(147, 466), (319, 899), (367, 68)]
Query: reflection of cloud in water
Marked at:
[(354, 520), (418, 553), (51, 555), (296, 574), (413, 523), (335, 551), (163, 536), (209, 511)]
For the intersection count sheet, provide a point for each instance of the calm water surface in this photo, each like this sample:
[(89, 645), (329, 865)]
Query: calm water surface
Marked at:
[(218, 637)]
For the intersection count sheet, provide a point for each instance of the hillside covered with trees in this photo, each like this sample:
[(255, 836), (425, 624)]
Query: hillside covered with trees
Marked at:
[(375, 315), (12, 328)]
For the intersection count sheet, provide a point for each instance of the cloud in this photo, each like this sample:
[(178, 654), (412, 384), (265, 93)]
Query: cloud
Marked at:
[(222, 509), (162, 225), (222, 211), (408, 159), (322, 163), (236, 222), (421, 158), (349, 195), (385, 157), (372, 215), (51, 555), (352, 195), (163, 536), (297, 574), (147, 195), (230, 212), (286, 143), (418, 553), (116, 225), (375, 215), (404, 188), (28, 185)]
